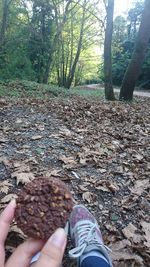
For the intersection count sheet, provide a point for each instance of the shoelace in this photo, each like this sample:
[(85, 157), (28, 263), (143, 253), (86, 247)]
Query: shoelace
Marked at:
[(89, 230)]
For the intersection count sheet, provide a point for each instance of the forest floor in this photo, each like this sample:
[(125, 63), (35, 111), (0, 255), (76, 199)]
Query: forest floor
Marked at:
[(100, 149)]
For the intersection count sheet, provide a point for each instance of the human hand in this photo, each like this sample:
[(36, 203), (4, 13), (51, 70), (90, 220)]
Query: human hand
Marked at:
[(51, 252)]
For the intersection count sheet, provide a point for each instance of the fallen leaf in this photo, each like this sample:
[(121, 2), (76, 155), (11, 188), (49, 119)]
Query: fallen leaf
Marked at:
[(129, 231), (36, 137), (67, 160), (102, 170), (3, 139), (16, 229), (119, 245), (139, 157), (88, 196), (125, 255), (146, 230), (102, 188), (140, 186), (18, 121), (82, 188), (55, 173), (112, 186), (4, 186), (23, 177), (8, 198)]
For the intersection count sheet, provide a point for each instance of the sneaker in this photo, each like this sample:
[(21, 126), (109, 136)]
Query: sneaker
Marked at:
[(85, 234)]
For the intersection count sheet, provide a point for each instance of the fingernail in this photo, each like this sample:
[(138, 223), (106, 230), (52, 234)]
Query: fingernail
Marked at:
[(58, 239)]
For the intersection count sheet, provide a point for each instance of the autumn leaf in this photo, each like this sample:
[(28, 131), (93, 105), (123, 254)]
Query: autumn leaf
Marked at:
[(146, 230), (88, 196), (140, 186), (36, 137), (8, 198), (23, 177), (5, 186)]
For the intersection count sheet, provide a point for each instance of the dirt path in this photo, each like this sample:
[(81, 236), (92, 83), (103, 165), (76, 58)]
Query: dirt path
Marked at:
[(97, 86), (101, 150)]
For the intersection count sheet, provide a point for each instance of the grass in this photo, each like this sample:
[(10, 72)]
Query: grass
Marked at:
[(88, 93), (21, 88)]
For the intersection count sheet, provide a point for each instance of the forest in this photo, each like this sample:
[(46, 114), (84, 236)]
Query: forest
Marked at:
[(72, 43), (75, 109)]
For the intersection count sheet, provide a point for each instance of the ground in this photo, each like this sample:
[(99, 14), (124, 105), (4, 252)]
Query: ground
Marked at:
[(100, 149)]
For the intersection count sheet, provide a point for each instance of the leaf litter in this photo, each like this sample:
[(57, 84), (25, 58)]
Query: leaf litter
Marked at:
[(100, 149)]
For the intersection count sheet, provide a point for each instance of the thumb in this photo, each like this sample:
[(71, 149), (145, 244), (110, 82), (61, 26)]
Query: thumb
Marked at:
[(53, 251)]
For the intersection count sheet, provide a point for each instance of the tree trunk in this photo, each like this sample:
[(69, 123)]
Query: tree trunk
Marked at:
[(4, 21), (74, 65), (109, 93), (55, 41), (134, 68)]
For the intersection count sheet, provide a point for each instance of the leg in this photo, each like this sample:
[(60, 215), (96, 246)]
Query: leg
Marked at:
[(89, 250), (94, 261)]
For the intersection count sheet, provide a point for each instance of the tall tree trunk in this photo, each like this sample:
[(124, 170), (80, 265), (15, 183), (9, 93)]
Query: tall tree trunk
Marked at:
[(109, 93), (55, 41), (4, 20), (134, 68), (76, 59)]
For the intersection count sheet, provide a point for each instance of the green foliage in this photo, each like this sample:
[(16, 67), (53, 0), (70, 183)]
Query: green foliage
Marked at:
[(24, 88), (124, 38), (40, 37)]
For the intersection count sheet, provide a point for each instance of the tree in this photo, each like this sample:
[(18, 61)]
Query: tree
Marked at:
[(41, 34), (5, 8), (80, 33), (109, 93), (60, 22), (134, 67)]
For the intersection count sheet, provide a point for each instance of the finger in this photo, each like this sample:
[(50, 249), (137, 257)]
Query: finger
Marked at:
[(24, 253), (6, 218), (52, 252)]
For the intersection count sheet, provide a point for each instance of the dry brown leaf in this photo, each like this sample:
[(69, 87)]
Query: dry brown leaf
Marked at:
[(8, 198), (129, 231), (54, 173), (23, 177), (103, 188), (88, 196), (102, 170), (4, 186), (139, 157), (36, 137), (67, 160), (119, 245), (113, 187), (140, 186), (14, 228), (66, 132), (125, 255), (21, 167), (146, 230), (10, 249), (82, 188), (3, 139), (18, 121)]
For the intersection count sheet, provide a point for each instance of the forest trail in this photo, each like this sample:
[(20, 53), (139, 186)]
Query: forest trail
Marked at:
[(116, 90)]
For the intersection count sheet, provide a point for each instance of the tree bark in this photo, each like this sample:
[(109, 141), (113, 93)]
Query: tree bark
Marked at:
[(76, 59), (134, 68), (55, 41), (109, 93), (4, 21)]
